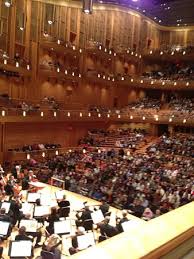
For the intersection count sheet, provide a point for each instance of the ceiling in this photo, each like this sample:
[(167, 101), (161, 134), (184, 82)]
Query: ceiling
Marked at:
[(165, 12)]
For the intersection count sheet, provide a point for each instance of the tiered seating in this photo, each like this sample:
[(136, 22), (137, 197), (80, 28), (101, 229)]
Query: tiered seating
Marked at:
[(119, 138)]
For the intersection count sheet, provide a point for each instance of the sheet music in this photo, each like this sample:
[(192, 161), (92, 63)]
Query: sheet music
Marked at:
[(38, 184), (6, 206), (40, 211), (33, 196), (4, 226), (21, 248), (60, 194), (62, 227), (46, 200), (131, 224), (97, 216), (84, 241), (27, 208), (66, 244), (30, 225)]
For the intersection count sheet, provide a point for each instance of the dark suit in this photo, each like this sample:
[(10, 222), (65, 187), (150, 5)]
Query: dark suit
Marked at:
[(108, 230), (119, 225)]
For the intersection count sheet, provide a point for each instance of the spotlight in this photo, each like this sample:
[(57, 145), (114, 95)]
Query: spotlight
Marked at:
[(3, 113), (56, 152), (28, 156), (50, 22), (87, 6), (8, 3)]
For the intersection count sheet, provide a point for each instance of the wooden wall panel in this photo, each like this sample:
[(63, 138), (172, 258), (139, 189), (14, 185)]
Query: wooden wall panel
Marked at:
[(66, 134)]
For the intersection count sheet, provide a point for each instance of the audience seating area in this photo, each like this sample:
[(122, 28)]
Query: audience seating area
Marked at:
[(160, 179), (120, 138)]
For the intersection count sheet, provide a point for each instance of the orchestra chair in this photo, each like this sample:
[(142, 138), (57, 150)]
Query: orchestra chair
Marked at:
[(64, 212), (47, 255), (88, 224), (1, 253)]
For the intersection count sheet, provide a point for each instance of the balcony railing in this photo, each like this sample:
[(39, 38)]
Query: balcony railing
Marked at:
[(144, 115)]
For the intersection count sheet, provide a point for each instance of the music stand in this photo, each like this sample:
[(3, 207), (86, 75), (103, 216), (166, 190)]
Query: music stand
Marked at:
[(60, 194), (20, 249), (27, 208), (86, 240), (33, 196), (62, 227), (4, 228), (41, 211), (30, 225), (129, 225), (97, 216), (6, 206)]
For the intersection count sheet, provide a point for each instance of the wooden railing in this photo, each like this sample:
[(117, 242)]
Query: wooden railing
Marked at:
[(131, 115), (153, 240)]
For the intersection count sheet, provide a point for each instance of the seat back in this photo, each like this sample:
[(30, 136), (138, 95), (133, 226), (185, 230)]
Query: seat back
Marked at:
[(64, 212), (88, 224), (47, 255)]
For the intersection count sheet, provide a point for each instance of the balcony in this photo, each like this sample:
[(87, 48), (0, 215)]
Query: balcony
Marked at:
[(132, 116)]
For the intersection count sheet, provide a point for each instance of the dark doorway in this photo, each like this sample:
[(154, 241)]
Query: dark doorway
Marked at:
[(162, 129)]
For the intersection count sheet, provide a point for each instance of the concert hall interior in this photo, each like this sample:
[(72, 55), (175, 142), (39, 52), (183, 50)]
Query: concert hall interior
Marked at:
[(96, 129)]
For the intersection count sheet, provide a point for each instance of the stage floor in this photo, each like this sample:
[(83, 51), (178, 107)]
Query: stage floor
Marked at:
[(76, 202)]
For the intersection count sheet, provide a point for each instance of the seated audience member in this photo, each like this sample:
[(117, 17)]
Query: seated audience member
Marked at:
[(122, 220)]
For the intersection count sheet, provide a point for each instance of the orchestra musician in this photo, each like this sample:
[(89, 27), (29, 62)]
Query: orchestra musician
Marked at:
[(54, 216), (37, 234), (119, 221), (83, 215), (15, 207), (74, 249)]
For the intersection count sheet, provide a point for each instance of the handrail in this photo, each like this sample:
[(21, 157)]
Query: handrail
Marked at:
[(153, 240)]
